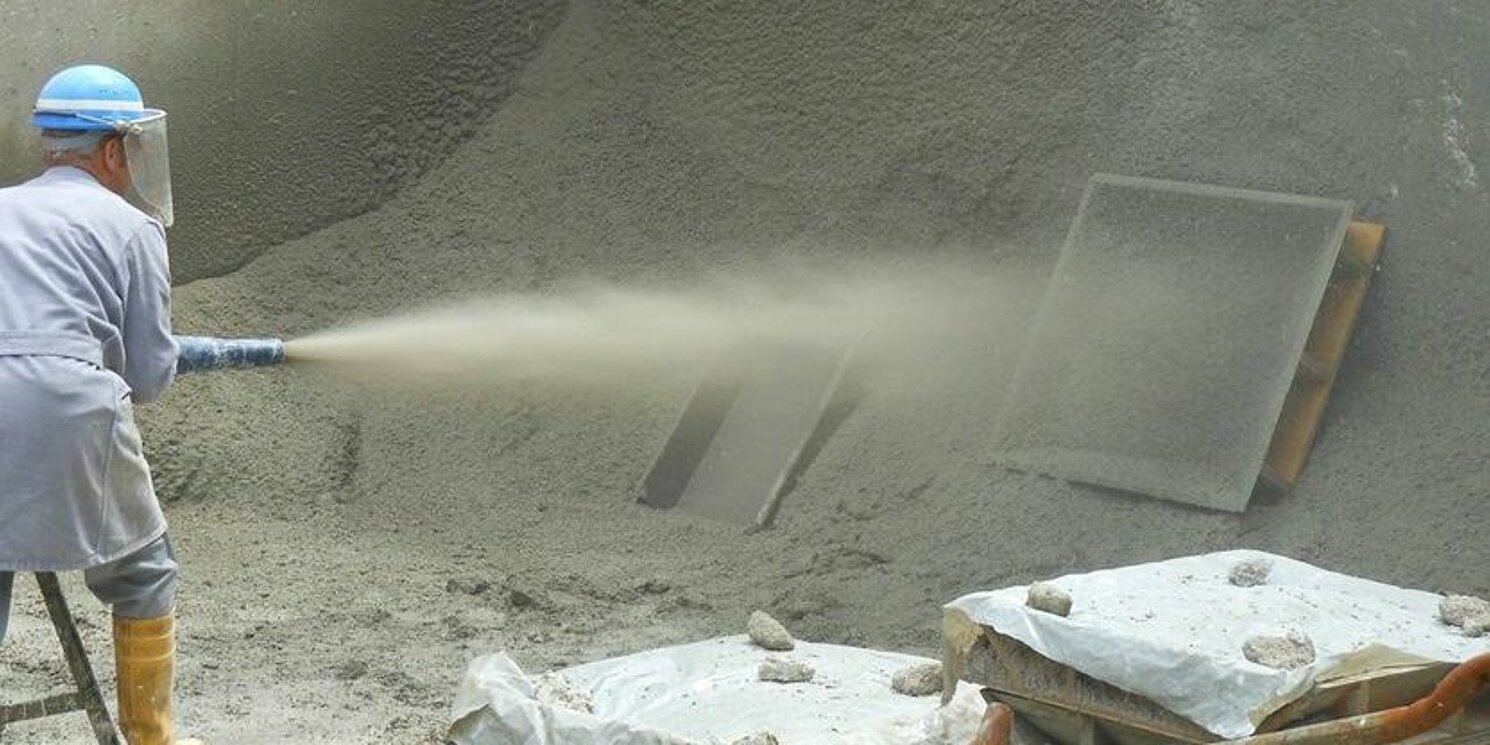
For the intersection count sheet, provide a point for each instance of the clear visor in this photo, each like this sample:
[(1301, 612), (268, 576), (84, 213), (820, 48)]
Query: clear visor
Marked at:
[(149, 165)]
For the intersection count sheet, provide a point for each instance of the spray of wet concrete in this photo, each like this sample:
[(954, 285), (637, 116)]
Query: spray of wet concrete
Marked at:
[(656, 143)]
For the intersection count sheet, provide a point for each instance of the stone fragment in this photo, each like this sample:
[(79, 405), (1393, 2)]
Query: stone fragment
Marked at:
[(784, 670), (1467, 612), (918, 680), (556, 690), (768, 633), (467, 585), (1251, 573), (1478, 626), (759, 738), (1290, 651), (1044, 596), (654, 587), (350, 670)]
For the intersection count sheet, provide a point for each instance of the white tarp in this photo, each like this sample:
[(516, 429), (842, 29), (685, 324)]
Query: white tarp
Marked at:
[(708, 692), (1173, 631)]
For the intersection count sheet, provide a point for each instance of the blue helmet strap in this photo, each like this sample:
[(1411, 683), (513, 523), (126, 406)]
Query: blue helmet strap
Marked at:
[(81, 141)]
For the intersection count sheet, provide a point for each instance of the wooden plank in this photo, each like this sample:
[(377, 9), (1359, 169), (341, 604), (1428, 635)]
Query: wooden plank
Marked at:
[(1364, 240), (1008, 667), (1061, 700), (1339, 312), (1359, 695)]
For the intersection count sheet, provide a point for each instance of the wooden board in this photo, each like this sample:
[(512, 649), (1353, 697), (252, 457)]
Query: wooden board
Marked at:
[(1020, 674), (1334, 324), (1076, 708)]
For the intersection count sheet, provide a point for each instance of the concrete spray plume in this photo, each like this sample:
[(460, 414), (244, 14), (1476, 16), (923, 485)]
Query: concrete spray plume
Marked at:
[(601, 335)]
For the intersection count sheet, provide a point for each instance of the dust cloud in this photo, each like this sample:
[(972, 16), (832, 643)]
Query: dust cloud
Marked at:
[(599, 334)]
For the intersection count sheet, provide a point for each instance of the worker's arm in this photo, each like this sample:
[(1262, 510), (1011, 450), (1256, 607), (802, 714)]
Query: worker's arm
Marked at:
[(149, 350)]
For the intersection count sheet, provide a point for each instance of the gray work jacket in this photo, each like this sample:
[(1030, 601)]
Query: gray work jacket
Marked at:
[(85, 329)]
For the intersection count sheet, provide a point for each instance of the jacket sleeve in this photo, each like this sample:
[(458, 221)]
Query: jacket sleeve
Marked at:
[(149, 350)]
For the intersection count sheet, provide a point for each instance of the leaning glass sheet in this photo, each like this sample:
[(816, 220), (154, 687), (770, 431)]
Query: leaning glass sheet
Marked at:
[(1168, 338)]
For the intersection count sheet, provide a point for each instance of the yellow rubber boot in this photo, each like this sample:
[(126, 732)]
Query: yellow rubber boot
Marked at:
[(145, 668)]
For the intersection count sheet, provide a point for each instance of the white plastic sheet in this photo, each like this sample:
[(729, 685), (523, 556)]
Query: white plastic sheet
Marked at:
[(1173, 631), (707, 692)]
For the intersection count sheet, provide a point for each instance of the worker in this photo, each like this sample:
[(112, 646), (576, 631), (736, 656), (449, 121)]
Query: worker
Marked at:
[(85, 333)]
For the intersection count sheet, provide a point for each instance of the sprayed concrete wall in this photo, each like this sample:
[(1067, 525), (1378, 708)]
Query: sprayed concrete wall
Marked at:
[(285, 117), (667, 141)]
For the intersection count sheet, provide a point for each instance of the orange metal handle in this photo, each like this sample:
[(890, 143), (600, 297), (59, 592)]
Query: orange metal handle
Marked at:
[(1452, 694), (997, 726)]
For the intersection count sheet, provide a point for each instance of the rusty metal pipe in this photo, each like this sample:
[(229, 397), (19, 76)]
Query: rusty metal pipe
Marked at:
[(1453, 693), (997, 727)]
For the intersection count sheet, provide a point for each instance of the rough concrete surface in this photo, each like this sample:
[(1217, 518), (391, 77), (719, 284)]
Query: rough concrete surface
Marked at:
[(1046, 597), (556, 690), (1250, 573), (918, 680), (1286, 652), (283, 119), (785, 670), (663, 142), (768, 633), (1469, 613), (759, 738)]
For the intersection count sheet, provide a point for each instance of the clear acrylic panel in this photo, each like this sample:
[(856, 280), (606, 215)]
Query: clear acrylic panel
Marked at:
[(1168, 338)]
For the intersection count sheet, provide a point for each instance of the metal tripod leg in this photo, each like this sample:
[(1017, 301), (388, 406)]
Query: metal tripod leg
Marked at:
[(87, 696)]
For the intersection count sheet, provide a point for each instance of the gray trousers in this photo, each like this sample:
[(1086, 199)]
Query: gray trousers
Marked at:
[(140, 585)]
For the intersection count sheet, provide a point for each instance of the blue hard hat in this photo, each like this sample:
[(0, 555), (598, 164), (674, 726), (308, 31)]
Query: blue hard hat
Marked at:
[(89, 98)]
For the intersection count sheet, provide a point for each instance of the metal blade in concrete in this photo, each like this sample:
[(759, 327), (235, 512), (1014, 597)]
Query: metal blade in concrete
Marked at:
[(746, 432)]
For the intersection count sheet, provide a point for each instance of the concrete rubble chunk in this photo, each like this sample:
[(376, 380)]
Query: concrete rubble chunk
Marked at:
[(785, 670), (758, 738), (1251, 573), (1290, 651), (768, 633), (467, 585), (1467, 612), (918, 680), (556, 690), (350, 670), (1046, 597)]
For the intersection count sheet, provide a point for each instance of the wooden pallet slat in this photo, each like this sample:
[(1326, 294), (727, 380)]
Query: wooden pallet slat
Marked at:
[(1334, 324)]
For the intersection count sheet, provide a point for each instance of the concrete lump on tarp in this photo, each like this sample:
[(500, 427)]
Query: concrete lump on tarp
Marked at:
[(1181, 625), (708, 692)]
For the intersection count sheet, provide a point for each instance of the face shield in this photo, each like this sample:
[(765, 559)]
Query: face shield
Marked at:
[(149, 164)]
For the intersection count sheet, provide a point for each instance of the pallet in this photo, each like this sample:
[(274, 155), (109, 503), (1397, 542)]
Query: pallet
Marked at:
[(1069, 705), (1076, 709), (1334, 324)]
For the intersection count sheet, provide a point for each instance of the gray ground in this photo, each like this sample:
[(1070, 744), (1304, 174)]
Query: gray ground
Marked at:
[(335, 543)]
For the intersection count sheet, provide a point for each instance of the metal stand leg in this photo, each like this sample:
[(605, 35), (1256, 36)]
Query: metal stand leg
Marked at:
[(87, 696)]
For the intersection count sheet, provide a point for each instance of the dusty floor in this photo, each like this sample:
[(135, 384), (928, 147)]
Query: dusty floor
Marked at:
[(347, 554)]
